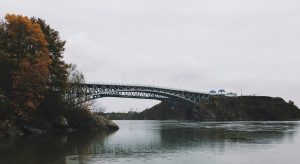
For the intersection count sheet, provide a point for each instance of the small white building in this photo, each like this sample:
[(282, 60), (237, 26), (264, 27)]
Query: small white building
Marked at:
[(230, 94)]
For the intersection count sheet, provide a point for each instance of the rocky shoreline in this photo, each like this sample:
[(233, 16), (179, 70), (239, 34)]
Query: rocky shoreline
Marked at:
[(57, 124)]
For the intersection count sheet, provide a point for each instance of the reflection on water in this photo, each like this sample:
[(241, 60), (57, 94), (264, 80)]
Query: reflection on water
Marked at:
[(163, 142)]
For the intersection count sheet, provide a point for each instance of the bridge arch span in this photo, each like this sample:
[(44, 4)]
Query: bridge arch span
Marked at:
[(96, 91)]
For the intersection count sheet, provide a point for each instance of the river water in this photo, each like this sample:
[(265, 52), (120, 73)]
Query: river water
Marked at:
[(163, 142)]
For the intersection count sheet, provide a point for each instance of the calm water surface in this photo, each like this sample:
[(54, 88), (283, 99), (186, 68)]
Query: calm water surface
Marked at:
[(163, 142)]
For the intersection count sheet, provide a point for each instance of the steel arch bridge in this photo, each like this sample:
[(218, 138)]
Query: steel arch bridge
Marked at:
[(91, 91)]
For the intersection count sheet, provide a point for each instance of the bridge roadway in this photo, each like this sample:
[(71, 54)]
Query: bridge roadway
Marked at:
[(91, 91)]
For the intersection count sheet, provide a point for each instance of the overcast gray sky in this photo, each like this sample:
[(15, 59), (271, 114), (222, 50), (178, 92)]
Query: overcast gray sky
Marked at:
[(253, 45)]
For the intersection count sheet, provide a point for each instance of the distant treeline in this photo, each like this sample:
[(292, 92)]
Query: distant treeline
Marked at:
[(122, 116)]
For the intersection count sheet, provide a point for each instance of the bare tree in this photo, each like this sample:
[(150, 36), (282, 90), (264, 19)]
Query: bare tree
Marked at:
[(97, 107), (76, 94)]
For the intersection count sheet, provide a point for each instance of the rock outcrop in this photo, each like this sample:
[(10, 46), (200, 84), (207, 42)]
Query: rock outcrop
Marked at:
[(221, 108), (89, 121), (78, 120), (59, 121), (7, 128)]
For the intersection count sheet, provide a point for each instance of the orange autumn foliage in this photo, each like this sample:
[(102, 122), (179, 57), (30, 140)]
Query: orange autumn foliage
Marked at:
[(30, 83), (24, 36), (26, 41)]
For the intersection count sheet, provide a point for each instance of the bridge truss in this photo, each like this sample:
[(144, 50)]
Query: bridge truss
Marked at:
[(91, 91)]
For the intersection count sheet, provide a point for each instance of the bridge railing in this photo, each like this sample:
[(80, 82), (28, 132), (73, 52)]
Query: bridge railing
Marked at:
[(142, 85)]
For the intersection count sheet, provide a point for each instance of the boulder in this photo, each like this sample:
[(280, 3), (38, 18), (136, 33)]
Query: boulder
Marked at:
[(14, 131), (100, 121), (86, 120), (111, 125), (105, 123), (59, 122), (31, 130), (7, 128)]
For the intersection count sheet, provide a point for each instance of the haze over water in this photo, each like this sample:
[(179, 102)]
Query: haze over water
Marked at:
[(165, 142)]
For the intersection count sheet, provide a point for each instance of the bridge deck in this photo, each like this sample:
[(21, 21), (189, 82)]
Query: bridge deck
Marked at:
[(146, 86)]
